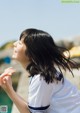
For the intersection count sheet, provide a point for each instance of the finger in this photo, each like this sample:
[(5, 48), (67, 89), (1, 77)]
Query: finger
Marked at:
[(8, 72), (9, 68), (12, 70), (4, 80), (0, 81), (3, 75)]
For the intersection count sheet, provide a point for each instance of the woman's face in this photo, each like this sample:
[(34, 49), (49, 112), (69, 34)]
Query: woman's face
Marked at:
[(19, 51)]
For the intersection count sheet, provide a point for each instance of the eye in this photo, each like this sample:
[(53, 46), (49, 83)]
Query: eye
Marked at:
[(19, 42)]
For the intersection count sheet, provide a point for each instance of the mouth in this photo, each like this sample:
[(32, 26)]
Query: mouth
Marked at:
[(14, 50)]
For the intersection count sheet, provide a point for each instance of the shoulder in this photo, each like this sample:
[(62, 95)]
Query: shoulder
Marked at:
[(38, 79), (38, 83)]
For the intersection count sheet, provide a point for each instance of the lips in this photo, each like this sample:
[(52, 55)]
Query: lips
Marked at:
[(14, 51)]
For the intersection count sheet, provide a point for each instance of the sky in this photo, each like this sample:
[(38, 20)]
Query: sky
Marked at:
[(61, 20)]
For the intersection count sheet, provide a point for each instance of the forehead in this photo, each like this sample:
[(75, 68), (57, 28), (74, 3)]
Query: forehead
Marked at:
[(22, 40), (23, 35)]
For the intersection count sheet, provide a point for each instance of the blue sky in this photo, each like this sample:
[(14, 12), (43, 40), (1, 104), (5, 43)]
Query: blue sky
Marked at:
[(61, 20)]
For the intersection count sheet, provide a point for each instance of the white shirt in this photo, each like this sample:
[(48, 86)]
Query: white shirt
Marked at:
[(53, 97)]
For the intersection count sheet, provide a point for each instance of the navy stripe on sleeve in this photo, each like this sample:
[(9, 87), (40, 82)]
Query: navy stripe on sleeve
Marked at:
[(38, 108)]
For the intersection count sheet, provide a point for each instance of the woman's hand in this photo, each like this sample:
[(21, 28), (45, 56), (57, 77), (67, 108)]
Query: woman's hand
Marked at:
[(5, 79), (6, 83)]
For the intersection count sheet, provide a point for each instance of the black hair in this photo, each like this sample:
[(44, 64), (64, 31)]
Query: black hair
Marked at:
[(45, 55)]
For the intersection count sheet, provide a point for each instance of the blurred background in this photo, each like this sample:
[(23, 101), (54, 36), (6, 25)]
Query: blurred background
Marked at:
[(60, 19)]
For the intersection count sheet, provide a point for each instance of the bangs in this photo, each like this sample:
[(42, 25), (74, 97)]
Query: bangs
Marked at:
[(23, 35)]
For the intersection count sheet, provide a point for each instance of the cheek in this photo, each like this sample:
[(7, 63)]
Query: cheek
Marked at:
[(18, 54), (22, 56)]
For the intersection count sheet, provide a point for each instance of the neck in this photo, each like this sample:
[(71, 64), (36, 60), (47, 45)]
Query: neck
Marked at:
[(24, 64)]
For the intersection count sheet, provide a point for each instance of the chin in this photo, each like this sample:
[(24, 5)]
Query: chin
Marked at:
[(14, 57)]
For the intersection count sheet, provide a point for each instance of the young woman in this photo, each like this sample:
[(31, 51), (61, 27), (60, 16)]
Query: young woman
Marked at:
[(49, 91)]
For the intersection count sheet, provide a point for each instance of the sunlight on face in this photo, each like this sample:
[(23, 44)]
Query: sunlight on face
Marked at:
[(19, 51)]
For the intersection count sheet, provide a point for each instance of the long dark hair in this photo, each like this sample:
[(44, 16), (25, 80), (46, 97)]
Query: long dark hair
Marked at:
[(45, 55)]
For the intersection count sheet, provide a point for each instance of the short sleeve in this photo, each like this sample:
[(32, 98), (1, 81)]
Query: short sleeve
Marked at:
[(39, 94)]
